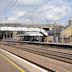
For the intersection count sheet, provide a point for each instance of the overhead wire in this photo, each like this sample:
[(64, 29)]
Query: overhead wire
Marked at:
[(65, 2), (9, 6), (6, 6), (1, 14), (58, 5)]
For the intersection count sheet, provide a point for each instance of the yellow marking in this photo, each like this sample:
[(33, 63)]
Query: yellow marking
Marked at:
[(11, 62)]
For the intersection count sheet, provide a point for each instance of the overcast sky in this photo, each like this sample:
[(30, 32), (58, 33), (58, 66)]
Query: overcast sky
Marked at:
[(36, 11)]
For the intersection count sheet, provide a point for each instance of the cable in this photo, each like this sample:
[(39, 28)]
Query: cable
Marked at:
[(5, 9), (52, 7), (55, 6), (44, 10), (9, 6)]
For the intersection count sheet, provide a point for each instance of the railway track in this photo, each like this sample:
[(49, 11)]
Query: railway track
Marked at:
[(43, 52)]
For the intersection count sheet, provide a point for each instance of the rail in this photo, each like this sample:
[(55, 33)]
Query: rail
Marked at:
[(57, 45), (66, 57)]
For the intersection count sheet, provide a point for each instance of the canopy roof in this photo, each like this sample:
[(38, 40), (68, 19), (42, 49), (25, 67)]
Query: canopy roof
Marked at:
[(31, 34)]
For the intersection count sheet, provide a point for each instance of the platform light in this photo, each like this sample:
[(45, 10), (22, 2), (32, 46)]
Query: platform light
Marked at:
[(50, 28)]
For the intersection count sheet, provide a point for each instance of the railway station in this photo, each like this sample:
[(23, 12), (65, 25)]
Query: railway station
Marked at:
[(42, 33), (35, 35), (29, 42)]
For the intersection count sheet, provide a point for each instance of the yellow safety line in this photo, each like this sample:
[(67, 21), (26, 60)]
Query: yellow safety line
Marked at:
[(11, 62)]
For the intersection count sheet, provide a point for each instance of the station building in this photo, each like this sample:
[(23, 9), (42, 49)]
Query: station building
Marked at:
[(66, 34)]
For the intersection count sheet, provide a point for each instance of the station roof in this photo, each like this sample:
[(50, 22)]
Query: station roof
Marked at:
[(30, 25), (31, 34)]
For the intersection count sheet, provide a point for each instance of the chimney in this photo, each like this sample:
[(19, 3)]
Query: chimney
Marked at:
[(70, 22)]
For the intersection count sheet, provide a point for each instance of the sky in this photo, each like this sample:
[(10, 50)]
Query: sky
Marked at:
[(36, 11)]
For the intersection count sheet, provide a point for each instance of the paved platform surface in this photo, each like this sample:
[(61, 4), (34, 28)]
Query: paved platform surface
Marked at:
[(5, 66), (19, 64)]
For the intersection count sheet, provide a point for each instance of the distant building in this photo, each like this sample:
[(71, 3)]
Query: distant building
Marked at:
[(54, 33), (66, 34)]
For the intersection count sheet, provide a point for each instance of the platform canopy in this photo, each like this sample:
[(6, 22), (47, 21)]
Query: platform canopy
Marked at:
[(31, 34), (26, 29)]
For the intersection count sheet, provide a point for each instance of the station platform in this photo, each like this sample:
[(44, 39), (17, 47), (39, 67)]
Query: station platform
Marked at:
[(12, 63), (6, 66)]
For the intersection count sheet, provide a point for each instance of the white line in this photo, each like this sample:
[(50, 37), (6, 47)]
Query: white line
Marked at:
[(31, 67)]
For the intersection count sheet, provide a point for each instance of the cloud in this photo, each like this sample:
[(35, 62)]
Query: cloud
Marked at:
[(17, 14), (14, 20), (58, 12), (20, 13), (37, 10), (53, 12), (46, 12), (11, 18), (29, 2), (17, 17)]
